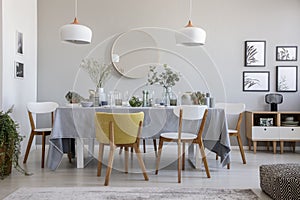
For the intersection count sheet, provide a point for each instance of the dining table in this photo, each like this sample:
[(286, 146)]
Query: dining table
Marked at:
[(74, 125)]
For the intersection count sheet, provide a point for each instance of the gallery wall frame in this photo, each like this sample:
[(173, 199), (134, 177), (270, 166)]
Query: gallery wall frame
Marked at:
[(255, 53), (19, 70), (256, 81), (286, 78), (19, 43), (286, 53)]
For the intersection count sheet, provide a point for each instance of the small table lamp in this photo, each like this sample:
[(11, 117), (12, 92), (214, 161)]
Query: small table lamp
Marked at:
[(274, 99)]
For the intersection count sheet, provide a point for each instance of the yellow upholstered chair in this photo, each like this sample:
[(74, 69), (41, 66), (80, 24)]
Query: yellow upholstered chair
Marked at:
[(35, 108), (185, 112), (118, 130), (235, 109)]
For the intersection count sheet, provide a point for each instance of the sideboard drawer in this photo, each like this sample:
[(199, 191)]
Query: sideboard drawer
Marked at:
[(289, 133), (265, 133)]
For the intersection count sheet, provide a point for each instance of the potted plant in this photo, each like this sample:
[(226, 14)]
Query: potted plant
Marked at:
[(9, 144), (167, 79), (99, 74)]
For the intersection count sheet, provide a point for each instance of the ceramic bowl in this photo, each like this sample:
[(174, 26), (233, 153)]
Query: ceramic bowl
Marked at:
[(289, 119), (86, 103)]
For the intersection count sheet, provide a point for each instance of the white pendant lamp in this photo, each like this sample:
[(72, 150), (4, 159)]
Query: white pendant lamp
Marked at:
[(190, 35), (76, 33)]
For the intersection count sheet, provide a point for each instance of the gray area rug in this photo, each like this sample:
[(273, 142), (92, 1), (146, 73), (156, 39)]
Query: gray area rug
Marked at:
[(126, 193)]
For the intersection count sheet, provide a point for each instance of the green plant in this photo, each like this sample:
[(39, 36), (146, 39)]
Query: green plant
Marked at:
[(198, 98), (9, 144), (167, 78), (135, 102)]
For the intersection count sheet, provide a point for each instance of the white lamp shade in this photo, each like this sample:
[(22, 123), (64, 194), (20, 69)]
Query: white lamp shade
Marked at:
[(76, 33), (190, 36)]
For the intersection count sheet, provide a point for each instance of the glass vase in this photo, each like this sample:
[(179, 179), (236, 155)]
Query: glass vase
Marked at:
[(166, 96)]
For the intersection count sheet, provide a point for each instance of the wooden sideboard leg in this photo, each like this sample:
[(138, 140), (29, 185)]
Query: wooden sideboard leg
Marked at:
[(274, 147), (249, 144), (254, 146), (281, 146)]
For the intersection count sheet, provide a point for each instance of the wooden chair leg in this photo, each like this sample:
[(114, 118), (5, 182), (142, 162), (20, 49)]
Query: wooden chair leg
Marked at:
[(140, 160), (126, 159), (144, 145), (131, 151), (155, 147), (249, 144), (179, 161), (217, 157), (43, 149), (120, 151), (183, 156), (241, 148), (160, 145), (109, 165), (202, 152), (28, 147), (100, 157), (70, 157), (228, 166), (69, 152)]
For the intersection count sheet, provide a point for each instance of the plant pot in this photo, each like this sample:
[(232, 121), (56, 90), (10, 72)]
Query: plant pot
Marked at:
[(5, 161)]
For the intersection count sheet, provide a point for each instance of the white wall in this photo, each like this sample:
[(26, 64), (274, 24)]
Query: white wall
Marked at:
[(1, 56), (19, 15), (228, 24)]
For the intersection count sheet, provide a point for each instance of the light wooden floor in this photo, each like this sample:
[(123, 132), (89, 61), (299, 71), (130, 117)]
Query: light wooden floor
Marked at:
[(239, 176)]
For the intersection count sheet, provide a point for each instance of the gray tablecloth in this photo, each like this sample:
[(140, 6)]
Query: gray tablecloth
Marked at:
[(74, 122)]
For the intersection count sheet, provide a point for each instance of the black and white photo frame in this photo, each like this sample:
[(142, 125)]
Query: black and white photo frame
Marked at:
[(19, 42), (255, 53), (256, 81), (286, 53), (19, 70), (286, 78)]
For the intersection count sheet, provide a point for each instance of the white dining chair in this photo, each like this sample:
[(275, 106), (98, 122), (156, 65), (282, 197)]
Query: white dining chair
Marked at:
[(185, 112), (235, 109), (39, 108)]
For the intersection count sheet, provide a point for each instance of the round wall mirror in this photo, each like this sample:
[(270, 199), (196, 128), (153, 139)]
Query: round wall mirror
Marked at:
[(133, 52)]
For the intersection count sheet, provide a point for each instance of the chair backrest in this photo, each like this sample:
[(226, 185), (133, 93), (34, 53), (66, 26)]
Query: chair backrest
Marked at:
[(41, 107), (190, 112), (232, 108), (125, 127)]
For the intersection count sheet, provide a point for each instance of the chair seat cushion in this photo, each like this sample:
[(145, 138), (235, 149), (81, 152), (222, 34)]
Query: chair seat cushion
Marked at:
[(174, 136), (43, 129)]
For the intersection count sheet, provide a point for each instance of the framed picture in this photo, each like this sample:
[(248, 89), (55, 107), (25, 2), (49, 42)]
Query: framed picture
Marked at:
[(19, 42), (256, 81), (19, 70), (286, 53), (266, 121), (286, 78), (255, 53)]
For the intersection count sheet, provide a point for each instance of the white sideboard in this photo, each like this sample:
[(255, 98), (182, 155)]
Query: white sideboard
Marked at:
[(272, 126)]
